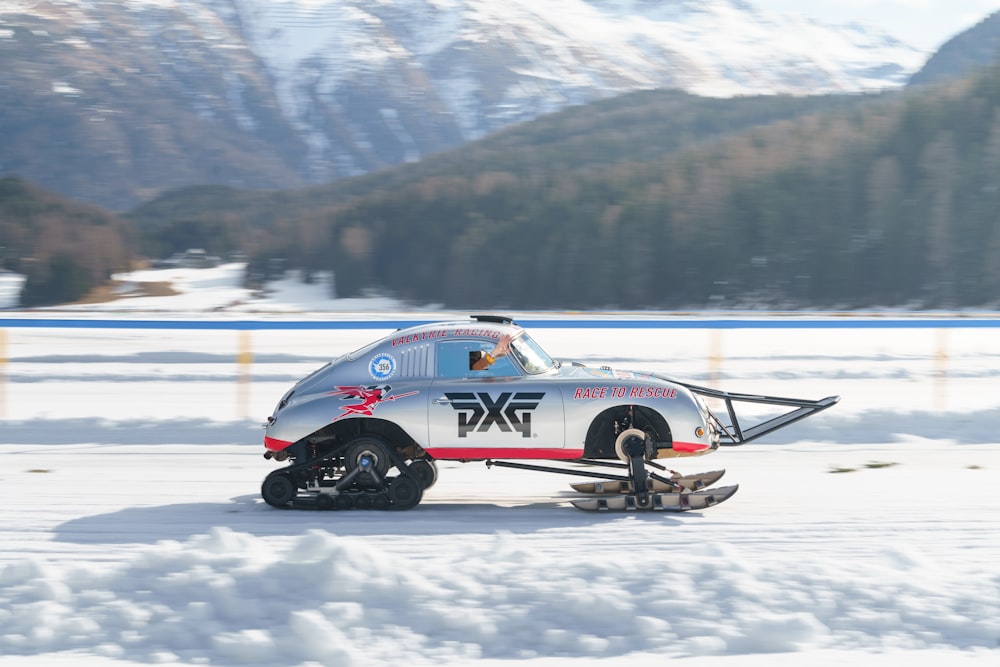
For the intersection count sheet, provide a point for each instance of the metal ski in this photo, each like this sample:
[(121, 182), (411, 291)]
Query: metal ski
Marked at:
[(678, 482), (670, 502)]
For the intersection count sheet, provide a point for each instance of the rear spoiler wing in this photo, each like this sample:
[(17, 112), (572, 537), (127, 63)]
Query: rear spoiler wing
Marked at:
[(735, 433)]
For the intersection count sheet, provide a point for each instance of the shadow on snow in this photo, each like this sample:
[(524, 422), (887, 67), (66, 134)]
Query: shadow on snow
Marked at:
[(249, 514)]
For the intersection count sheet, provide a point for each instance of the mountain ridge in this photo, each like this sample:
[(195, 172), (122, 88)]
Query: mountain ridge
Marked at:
[(967, 51), (115, 103)]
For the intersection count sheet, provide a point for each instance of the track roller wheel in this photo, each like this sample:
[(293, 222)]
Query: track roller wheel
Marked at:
[(324, 501), (405, 492), (370, 453), (425, 471), (363, 501), (278, 489), (343, 501)]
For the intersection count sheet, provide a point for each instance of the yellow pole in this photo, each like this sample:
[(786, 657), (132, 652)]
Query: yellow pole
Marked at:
[(244, 361), (715, 358), (941, 371)]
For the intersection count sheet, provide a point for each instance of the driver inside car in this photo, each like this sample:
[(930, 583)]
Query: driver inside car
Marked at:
[(480, 361)]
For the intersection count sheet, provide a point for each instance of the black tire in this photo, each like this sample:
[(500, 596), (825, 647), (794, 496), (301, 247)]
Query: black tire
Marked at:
[(378, 452), (363, 501), (343, 501), (425, 471), (405, 492), (278, 489), (324, 502)]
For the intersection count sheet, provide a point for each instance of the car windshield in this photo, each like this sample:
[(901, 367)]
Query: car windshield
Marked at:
[(530, 355)]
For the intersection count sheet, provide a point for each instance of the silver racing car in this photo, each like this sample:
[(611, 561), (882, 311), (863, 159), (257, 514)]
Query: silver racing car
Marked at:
[(364, 431)]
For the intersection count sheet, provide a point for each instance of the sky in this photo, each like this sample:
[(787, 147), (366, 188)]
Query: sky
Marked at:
[(924, 24)]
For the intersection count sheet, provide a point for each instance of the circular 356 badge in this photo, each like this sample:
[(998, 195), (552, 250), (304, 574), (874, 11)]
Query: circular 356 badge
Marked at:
[(382, 366)]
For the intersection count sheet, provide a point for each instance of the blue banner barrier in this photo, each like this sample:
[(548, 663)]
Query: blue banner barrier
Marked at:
[(564, 322)]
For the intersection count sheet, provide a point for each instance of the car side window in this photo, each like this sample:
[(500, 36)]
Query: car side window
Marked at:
[(455, 357)]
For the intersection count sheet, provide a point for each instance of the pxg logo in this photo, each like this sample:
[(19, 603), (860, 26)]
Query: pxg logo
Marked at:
[(478, 411)]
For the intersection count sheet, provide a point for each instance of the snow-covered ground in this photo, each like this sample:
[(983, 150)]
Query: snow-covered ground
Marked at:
[(10, 288), (133, 533), (219, 289)]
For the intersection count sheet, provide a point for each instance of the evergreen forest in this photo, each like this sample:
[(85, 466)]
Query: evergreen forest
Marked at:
[(650, 200), (64, 248), (662, 200)]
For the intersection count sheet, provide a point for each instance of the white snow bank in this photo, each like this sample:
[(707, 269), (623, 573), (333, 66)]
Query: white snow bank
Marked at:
[(10, 289), (229, 598), (221, 288), (136, 432)]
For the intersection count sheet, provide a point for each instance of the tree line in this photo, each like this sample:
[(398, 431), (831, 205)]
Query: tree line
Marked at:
[(651, 200), (892, 200), (64, 248)]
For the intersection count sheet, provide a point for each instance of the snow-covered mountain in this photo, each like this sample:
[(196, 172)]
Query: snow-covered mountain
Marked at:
[(296, 91), (488, 63)]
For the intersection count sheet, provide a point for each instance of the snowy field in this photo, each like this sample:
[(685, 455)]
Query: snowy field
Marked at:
[(133, 533)]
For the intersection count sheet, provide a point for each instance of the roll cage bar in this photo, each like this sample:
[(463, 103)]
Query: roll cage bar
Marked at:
[(735, 433)]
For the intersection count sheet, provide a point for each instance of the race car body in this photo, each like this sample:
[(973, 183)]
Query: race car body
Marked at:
[(485, 390)]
